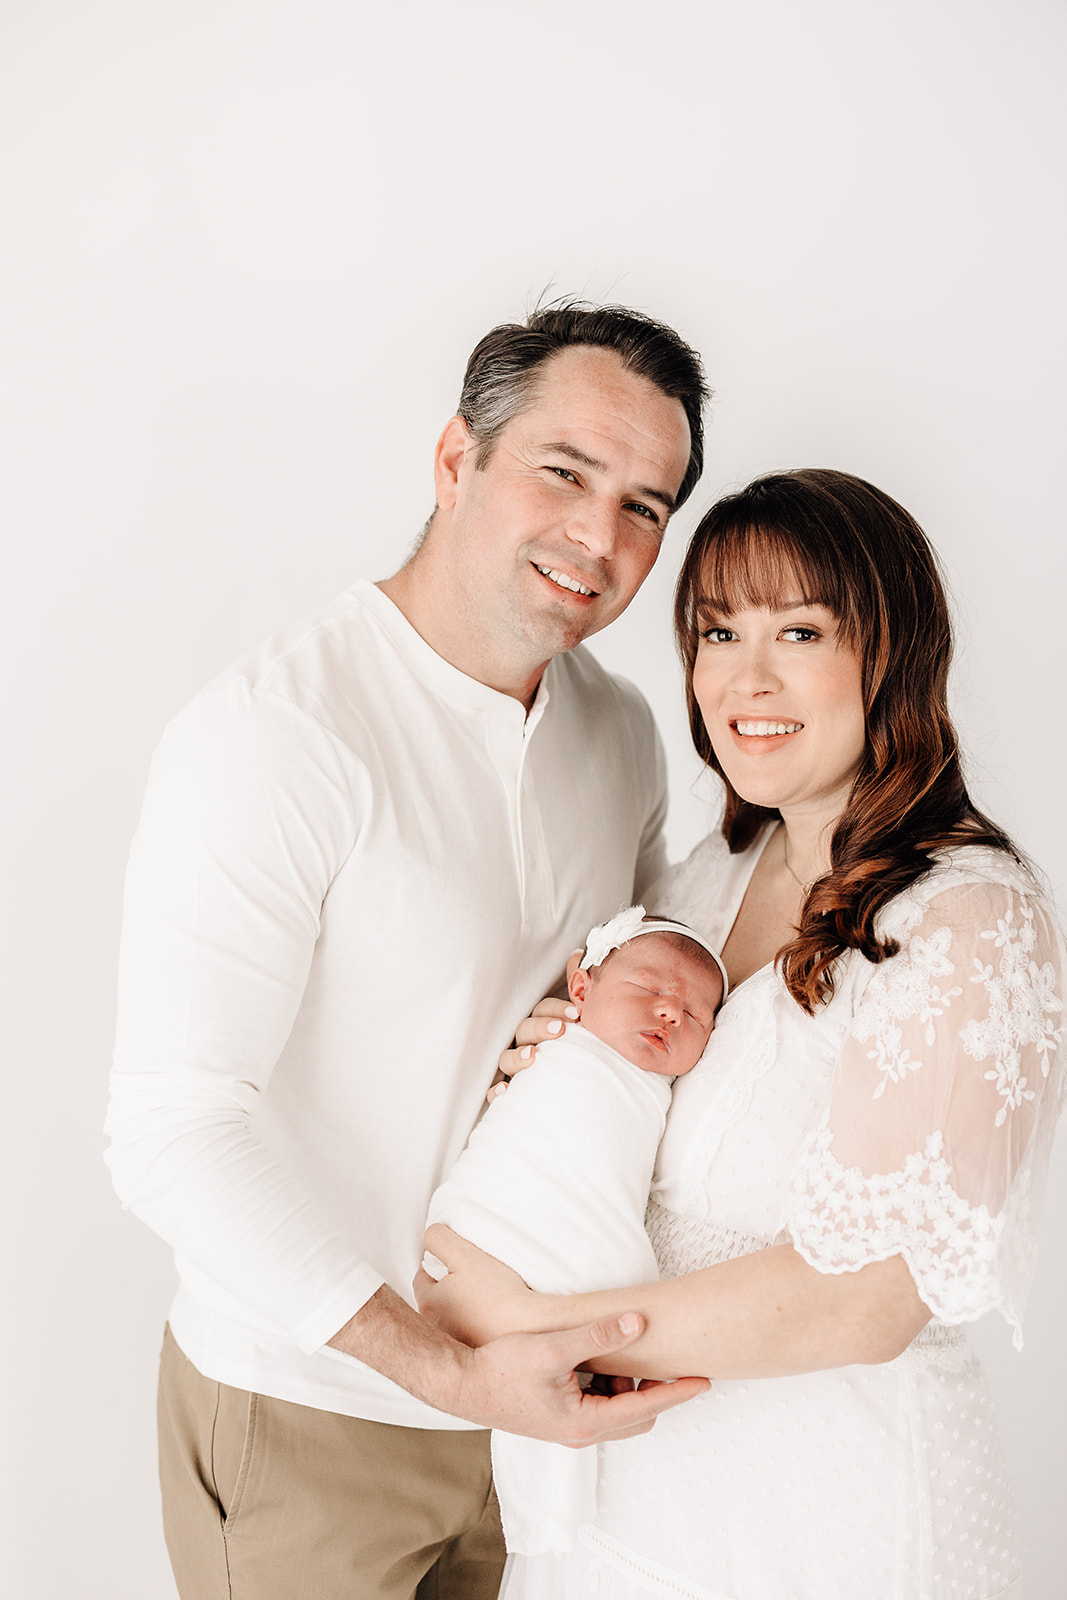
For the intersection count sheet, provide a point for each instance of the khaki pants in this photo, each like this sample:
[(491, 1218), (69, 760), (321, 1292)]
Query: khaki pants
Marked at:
[(264, 1500)]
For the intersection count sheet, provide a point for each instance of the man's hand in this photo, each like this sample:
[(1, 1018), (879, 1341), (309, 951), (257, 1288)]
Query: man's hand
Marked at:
[(525, 1383)]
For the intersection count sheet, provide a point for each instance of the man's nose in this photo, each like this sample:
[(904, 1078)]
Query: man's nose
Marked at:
[(596, 526)]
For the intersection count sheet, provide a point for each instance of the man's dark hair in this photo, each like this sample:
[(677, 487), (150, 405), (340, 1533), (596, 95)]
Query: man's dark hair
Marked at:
[(501, 378)]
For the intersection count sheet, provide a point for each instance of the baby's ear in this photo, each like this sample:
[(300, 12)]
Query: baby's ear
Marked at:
[(578, 985)]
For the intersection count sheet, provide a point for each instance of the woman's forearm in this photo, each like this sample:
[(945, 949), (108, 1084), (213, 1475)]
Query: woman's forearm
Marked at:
[(763, 1315)]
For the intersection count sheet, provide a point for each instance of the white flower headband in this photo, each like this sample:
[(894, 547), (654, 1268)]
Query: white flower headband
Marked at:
[(629, 924)]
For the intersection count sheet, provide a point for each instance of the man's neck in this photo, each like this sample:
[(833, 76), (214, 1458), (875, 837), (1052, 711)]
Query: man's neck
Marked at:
[(418, 598)]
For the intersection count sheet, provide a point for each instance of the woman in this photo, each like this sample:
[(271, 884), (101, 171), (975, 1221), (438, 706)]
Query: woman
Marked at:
[(854, 1170)]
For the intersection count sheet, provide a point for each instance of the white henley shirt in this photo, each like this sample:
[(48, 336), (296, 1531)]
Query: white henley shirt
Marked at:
[(355, 870)]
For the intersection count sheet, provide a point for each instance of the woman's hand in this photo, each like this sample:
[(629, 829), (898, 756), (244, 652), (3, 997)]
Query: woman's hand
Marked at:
[(547, 1020), (480, 1298)]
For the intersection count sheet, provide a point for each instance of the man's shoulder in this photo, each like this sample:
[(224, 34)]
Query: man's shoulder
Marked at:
[(303, 658), (298, 693), (581, 679)]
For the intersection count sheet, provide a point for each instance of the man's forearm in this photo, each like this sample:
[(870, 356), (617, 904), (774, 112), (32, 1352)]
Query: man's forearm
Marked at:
[(389, 1336)]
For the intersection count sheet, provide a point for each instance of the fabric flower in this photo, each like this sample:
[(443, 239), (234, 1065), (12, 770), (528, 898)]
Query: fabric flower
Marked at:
[(610, 935)]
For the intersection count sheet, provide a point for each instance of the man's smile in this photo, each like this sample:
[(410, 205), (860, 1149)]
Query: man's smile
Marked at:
[(561, 580)]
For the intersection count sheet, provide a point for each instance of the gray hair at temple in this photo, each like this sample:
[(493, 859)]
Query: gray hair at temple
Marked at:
[(501, 378)]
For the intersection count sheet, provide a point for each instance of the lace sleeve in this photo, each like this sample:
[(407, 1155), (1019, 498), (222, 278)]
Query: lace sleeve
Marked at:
[(937, 1139)]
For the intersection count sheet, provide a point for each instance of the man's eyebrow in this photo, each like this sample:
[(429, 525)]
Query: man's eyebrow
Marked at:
[(561, 448)]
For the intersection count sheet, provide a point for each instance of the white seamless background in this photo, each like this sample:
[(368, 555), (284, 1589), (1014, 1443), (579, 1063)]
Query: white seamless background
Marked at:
[(246, 249)]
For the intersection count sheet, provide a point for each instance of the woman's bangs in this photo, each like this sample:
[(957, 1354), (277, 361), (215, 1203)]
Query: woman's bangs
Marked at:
[(754, 567)]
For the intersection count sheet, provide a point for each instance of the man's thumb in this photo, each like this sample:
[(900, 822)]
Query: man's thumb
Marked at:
[(614, 1333)]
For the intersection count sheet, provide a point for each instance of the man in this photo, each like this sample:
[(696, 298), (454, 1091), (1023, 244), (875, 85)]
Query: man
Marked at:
[(364, 853)]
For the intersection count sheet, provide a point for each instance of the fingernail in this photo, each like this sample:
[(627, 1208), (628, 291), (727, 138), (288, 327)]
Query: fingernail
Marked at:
[(497, 1090), (572, 1013), (526, 1053), (555, 1026), (628, 1323)]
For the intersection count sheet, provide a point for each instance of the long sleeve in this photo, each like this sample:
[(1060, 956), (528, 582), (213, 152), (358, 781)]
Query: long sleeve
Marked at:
[(938, 1135), (251, 808)]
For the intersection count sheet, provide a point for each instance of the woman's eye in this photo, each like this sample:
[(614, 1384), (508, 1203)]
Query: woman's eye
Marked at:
[(800, 635), (718, 635)]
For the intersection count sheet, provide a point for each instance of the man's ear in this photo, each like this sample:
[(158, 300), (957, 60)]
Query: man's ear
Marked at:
[(453, 447), (578, 985)]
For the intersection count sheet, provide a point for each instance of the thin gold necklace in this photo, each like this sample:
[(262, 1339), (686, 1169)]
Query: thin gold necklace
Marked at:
[(805, 888)]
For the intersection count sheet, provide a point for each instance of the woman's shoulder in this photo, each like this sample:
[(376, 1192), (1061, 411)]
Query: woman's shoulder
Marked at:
[(967, 883), (974, 905)]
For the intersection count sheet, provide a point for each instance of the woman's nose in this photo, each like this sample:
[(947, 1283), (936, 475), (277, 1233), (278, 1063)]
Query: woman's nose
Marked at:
[(755, 671)]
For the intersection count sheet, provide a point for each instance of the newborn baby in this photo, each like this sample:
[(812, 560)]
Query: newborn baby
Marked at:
[(555, 1177)]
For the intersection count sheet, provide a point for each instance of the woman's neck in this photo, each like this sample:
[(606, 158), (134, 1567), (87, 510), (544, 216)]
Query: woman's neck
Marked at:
[(805, 846)]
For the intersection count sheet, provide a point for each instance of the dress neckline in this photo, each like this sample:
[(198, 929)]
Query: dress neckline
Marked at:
[(755, 851)]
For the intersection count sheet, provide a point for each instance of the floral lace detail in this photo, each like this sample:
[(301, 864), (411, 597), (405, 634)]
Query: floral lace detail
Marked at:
[(1022, 1006), (902, 989), (1022, 1002), (839, 1220)]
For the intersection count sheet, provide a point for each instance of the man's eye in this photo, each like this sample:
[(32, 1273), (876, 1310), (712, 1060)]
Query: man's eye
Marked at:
[(565, 473), (644, 511)]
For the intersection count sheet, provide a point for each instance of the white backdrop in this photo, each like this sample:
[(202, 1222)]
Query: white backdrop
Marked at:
[(246, 247)]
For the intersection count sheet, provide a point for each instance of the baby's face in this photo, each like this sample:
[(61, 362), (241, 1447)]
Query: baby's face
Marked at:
[(653, 1002)]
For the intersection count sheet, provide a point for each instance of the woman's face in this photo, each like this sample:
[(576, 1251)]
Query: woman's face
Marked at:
[(782, 701)]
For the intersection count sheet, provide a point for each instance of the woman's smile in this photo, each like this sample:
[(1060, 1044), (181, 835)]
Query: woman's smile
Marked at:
[(782, 700)]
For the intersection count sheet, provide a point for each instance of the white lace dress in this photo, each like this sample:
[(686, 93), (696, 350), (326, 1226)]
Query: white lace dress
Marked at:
[(914, 1115)]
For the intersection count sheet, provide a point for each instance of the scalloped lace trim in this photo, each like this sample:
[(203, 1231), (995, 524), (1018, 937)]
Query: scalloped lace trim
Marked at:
[(839, 1220)]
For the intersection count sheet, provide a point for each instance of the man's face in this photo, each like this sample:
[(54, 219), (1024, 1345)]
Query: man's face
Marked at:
[(549, 538)]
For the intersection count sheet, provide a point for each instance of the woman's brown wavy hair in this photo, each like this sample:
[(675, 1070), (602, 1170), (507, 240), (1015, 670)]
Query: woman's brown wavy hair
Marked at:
[(834, 540)]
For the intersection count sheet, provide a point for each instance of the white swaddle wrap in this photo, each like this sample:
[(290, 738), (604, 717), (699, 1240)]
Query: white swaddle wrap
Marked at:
[(554, 1181)]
